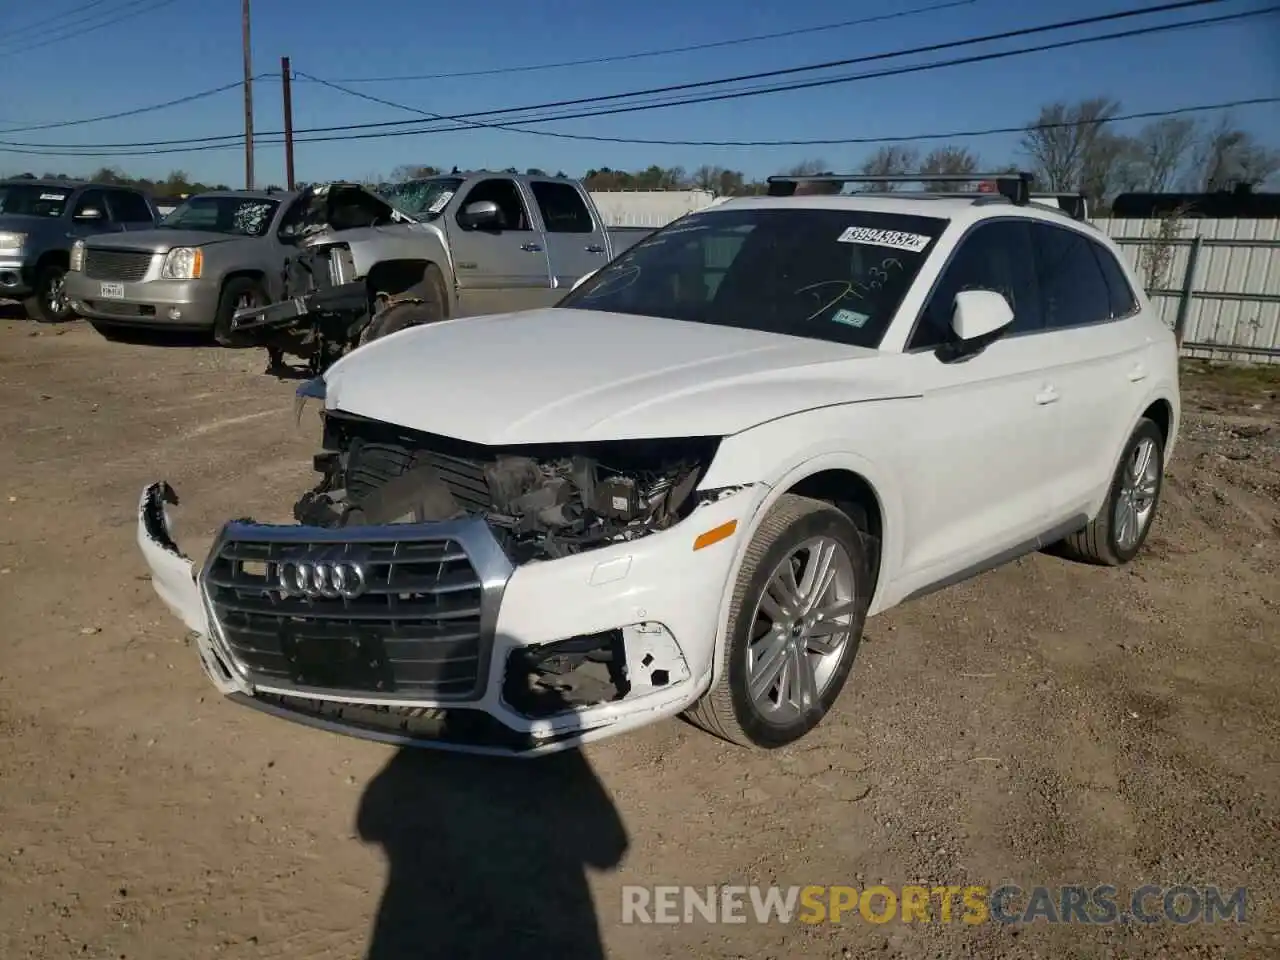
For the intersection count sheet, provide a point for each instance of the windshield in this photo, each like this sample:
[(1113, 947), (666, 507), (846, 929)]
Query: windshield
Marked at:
[(835, 275), (422, 199), (238, 216), (33, 200)]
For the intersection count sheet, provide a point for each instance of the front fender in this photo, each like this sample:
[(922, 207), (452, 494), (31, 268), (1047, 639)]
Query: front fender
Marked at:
[(783, 452)]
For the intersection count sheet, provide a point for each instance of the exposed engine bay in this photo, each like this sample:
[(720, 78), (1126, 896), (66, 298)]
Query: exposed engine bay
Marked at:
[(542, 503)]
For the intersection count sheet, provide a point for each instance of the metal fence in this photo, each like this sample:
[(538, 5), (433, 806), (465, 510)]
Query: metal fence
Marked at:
[(1216, 282)]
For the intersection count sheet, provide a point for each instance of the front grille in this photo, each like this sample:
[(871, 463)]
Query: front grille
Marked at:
[(415, 631), (124, 265)]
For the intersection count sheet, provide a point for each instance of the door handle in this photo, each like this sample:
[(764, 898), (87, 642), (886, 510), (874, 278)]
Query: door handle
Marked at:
[(531, 247), (1139, 372), (594, 248), (1048, 394)]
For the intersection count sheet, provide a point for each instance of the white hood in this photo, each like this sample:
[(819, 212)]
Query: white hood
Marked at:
[(554, 376)]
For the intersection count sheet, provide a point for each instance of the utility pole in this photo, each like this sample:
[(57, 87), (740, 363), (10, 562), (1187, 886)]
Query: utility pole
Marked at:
[(287, 90), (248, 98)]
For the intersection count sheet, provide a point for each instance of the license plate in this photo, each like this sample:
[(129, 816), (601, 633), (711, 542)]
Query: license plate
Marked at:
[(113, 291)]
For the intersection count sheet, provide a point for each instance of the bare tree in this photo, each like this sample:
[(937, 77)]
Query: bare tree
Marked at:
[(950, 161), (1229, 155), (412, 171), (1069, 145), (889, 161), (807, 168), (1160, 153)]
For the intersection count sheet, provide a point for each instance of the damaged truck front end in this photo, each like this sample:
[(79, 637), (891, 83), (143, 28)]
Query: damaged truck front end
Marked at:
[(481, 599)]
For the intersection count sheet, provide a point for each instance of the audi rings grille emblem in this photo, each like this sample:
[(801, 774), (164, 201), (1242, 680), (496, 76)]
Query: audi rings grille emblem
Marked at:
[(323, 577)]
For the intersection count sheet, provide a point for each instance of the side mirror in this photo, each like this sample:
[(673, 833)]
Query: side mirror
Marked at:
[(89, 213), (482, 213), (979, 315)]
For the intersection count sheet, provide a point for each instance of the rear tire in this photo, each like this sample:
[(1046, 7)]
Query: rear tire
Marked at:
[(49, 303), (1116, 535), (237, 294), (754, 705)]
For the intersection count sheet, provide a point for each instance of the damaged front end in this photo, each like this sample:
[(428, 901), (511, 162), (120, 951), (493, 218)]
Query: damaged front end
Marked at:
[(327, 309), (447, 594)]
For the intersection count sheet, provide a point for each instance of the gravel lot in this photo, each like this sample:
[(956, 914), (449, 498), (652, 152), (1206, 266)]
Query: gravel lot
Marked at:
[(1046, 723)]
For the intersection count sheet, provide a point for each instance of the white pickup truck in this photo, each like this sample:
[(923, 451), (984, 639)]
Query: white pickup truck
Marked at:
[(684, 488)]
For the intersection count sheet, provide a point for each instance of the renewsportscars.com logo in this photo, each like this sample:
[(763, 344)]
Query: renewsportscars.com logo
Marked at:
[(969, 904)]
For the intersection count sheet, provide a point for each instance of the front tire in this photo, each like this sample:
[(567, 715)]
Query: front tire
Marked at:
[(794, 627), (238, 293), (49, 302), (433, 307), (1117, 533)]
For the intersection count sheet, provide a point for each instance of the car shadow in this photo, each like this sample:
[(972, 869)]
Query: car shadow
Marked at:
[(488, 855)]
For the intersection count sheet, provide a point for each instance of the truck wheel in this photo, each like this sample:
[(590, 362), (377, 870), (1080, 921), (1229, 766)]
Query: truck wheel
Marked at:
[(49, 303), (237, 294), (794, 627), (433, 308)]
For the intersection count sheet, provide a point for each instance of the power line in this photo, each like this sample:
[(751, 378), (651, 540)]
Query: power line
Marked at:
[(468, 120), (22, 47), (852, 141), (190, 98), (667, 51), (20, 30)]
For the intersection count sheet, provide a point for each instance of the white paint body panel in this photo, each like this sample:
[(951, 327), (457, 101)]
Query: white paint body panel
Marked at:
[(967, 460)]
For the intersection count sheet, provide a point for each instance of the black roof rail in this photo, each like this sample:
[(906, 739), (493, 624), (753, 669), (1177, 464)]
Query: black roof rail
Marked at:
[(1015, 187)]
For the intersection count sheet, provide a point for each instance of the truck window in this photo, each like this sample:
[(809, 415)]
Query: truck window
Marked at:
[(33, 200), (503, 192), (129, 207), (562, 208)]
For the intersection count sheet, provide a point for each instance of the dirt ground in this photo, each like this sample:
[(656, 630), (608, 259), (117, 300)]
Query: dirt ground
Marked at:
[(1047, 723)]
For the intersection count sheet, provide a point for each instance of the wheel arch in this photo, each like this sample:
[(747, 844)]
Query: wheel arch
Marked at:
[(55, 258), (856, 486), (247, 273), (405, 276)]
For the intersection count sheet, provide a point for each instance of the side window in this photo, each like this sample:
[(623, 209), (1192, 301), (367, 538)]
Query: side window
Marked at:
[(92, 200), (506, 195), (562, 208), (1072, 287), (1123, 302), (129, 207), (995, 256)]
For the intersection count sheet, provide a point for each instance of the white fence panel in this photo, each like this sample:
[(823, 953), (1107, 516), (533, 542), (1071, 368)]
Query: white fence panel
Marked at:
[(1223, 278)]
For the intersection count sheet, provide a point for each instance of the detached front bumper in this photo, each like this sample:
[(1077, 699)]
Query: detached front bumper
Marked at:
[(435, 646)]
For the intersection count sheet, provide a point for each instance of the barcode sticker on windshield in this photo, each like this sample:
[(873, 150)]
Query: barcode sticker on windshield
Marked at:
[(53, 196), (440, 202), (895, 239)]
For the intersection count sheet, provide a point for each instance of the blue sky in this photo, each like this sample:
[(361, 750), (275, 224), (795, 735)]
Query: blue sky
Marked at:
[(189, 45)]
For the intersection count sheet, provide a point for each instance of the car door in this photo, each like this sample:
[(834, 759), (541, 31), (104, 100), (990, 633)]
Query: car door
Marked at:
[(130, 209), (502, 268), (1098, 346), (91, 215), (576, 243), (975, 469)]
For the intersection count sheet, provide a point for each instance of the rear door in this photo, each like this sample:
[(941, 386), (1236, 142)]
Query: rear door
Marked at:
[(1098, 345), (576, 242), (503, 268)]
